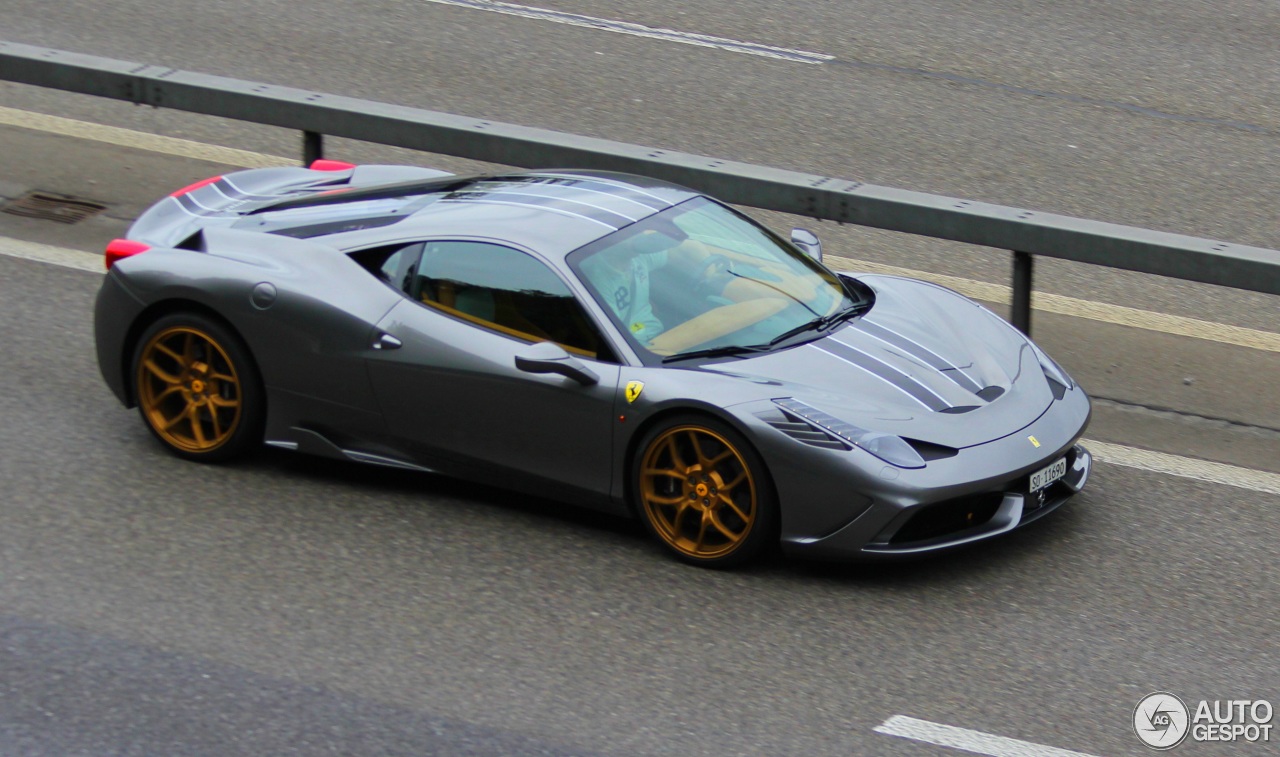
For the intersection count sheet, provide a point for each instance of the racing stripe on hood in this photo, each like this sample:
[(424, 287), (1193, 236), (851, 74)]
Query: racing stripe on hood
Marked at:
[(885, 372), (918, 351)]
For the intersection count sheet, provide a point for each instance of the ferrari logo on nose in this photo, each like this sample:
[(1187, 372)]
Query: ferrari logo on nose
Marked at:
[(1034, 441), (633, 390)]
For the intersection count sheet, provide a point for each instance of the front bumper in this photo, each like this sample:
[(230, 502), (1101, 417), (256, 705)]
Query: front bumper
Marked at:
[(880, 512), (953, 523), (888, 531)]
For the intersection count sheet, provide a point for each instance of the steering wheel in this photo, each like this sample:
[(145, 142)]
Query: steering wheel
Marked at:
[(710, 276)]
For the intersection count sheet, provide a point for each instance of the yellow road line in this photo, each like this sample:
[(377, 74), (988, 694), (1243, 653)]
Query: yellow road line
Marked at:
[(1094, 311), (140, 140), (1042, 301), (82, 261), (1186, 467)]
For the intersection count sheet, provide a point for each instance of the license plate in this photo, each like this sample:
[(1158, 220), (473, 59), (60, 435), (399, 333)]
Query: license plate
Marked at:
[(1045, 476)]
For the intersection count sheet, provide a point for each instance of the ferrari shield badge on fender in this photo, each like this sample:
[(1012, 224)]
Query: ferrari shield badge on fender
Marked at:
[(1034, 441), (633, 390)]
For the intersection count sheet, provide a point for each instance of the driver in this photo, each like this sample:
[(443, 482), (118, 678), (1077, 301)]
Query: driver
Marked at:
[(621, 275)]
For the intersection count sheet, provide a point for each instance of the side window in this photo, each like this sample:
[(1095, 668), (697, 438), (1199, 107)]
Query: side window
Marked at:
[(507, 291), (394, 265), (398, 267)]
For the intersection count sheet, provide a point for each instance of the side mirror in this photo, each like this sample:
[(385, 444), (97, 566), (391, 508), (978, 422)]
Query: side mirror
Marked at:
[(549, 357), (808, 243)]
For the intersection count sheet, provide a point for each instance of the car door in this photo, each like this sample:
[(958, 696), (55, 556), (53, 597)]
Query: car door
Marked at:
[(445, 373)]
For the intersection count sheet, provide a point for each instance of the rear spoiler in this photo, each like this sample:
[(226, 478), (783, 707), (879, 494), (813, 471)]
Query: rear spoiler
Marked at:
[(221, 200), (385, 191)]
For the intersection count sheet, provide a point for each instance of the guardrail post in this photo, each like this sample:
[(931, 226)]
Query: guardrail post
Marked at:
[(312, 147), (1023, 263)]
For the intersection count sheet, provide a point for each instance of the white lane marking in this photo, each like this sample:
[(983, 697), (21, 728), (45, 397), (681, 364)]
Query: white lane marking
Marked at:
[(988, 292), (140, 140), (1095, 311), (640, 30), (81, 261), (967, 740), (1185, 467)]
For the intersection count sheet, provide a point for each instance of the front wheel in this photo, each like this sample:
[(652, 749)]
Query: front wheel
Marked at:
[(704, 493), (198, 389)]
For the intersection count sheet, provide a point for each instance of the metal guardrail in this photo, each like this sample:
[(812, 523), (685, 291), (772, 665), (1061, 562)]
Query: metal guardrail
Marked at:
[(1027, 233)]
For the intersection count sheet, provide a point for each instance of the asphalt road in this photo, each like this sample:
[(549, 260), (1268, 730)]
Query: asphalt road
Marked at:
[(295, 606), (289, 605), (1160, 116)]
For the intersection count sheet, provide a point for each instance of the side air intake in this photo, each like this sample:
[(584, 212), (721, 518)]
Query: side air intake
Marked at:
[(802, 431)]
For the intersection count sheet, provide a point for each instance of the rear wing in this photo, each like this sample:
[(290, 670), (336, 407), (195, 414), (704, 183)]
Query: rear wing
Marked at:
[(220, 201)]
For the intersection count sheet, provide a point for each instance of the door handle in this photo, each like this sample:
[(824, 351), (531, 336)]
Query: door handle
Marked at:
[(387, 342)]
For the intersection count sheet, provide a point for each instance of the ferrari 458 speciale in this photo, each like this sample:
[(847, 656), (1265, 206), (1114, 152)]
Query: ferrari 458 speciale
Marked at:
[(603, 339)]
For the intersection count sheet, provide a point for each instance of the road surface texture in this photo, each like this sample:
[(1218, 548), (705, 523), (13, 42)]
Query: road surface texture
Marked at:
[(288, 605)]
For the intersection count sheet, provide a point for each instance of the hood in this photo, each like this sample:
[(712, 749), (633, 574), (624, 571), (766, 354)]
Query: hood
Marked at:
[(924, 363)]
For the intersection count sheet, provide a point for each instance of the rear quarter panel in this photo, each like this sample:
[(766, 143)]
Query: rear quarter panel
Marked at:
[(308, 341)]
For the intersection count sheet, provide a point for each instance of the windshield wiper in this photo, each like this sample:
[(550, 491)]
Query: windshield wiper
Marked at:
[(726, 350), (821, 323), (774, 287)]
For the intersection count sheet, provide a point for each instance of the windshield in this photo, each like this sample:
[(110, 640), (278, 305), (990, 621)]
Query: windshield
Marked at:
[(701, 278)]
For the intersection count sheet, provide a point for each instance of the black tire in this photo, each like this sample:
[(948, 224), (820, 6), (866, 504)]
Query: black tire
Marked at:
[(198, 389), (703, 492)]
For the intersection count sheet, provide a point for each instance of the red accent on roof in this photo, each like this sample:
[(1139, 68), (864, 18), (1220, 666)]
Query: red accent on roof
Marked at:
[(194, 187), (331, 165), (119, 249)]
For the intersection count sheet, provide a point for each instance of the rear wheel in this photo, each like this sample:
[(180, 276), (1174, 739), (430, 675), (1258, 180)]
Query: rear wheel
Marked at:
[(198, 389), (704, 492)]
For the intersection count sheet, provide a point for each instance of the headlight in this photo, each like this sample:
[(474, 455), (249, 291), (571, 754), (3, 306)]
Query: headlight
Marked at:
[(889, 448)]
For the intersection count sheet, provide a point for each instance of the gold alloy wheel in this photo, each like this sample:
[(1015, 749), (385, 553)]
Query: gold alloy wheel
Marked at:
[(698, 492), (188, 389)]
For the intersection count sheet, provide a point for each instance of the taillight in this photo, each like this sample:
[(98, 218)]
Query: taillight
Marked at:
[(194, 187), (331, 165), (123, 248)]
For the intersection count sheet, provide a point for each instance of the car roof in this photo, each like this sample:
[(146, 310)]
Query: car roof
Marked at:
[(552, 212)]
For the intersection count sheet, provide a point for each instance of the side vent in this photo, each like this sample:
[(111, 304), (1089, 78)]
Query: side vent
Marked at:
[(930, 451), (990, 393), (195, 243), (802, 431)]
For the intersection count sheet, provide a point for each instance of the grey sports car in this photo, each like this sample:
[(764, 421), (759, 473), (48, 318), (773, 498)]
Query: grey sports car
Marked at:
[(606, 339)]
